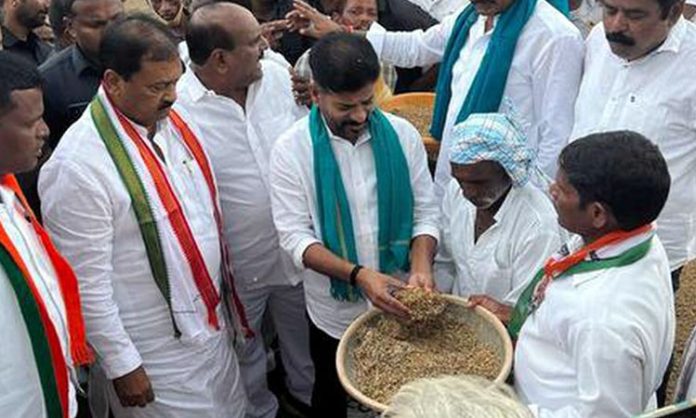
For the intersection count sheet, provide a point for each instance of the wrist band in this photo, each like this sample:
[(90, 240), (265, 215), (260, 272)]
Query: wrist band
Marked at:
[(354, 274)]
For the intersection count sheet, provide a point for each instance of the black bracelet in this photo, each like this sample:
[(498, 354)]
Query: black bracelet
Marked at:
[(354, 274)]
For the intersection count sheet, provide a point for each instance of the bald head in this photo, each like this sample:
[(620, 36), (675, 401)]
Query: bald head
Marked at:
[(215, 26)]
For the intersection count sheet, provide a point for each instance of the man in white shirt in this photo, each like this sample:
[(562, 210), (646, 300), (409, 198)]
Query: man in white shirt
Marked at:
[(497, 228), (130, 198), (638, 72), (596, 325), (533, 65), (353, 204), (242, 104), (40, 320)]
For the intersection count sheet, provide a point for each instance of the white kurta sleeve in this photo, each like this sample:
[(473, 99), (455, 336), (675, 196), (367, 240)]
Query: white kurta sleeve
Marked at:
[(425, 211), (417, 48), (77, 213), (609, 368), (556, 81), (444, 269), (291, 210)]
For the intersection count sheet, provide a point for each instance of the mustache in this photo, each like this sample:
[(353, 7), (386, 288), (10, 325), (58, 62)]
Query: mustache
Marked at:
[(620, 38)]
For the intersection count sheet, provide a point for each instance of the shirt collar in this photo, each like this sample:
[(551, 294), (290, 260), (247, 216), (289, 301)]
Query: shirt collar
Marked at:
[(608, 252), (508, 204), (194, 87), (80, 61), (9, 39)]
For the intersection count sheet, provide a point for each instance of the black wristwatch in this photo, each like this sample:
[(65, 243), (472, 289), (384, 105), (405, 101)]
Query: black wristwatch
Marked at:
[(354, 274)]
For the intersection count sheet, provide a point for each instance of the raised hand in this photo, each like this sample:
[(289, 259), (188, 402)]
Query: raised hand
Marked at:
[(308, 21)]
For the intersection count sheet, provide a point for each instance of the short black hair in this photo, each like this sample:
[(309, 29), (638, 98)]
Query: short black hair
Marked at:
[(666, 6), (129, 41), (622, 170), (202, 38), (16, 73), (343, 62)]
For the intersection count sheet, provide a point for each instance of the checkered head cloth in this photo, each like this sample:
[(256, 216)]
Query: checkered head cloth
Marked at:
[(494, 137)]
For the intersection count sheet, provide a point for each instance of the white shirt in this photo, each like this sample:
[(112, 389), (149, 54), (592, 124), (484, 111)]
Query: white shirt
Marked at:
[(296, 217), (507, 255), (20, 386), (654, 96), (599, 343), (239, 142), (84, 200), (541, 87)]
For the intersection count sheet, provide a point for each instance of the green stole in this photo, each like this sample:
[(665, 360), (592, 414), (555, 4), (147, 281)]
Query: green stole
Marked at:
[(394, 197), (525, 305), (139, 199), (486, 91)]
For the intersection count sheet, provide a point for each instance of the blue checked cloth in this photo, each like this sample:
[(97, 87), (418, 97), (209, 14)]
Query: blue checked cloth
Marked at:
[(494, 137)]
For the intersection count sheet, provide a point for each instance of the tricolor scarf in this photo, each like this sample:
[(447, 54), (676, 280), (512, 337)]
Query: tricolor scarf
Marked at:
[(394, 197), (486, 91), (50, 362), (171, 241), (581, 261)]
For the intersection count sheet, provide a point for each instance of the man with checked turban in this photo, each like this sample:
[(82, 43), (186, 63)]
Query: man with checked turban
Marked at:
[(497, 226)]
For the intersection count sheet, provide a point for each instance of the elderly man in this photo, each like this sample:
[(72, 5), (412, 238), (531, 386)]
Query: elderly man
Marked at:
[(512, 56), (596, 325), (353, 203), (637, 77), (227, 92), (497, 228), (130, 198), (41, 321)]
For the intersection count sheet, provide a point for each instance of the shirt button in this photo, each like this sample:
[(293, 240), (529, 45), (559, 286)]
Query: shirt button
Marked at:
[(255, 279)]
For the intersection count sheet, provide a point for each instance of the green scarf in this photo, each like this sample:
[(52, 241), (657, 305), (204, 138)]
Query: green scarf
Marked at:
[(487, 89), (394, 197), (525, 307)]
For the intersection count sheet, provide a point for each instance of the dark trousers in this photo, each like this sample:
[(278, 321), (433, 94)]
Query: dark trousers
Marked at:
[(328, 396), (662, 390)]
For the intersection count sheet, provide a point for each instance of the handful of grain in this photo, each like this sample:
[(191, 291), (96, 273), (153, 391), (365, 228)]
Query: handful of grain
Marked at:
[(424, 306), (390, 353)]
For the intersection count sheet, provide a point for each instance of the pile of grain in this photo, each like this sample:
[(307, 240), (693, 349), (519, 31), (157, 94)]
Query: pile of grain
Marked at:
[(390, 353), (419, 116)]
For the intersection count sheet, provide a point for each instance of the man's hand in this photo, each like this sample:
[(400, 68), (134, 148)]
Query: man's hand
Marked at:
[(422, 280), (379, 288), (307, 20), (273, 31), (134, 389), (301, 89), (500, 310)]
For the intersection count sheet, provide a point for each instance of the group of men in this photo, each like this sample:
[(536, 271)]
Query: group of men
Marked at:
[(190, 194)]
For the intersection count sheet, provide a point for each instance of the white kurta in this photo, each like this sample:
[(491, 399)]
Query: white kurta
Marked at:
[(239, 142), (654, 96), (87, 210), (295, 211), (507, 256), (599, 344), (541, 87), (20, 387)]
